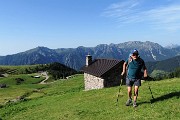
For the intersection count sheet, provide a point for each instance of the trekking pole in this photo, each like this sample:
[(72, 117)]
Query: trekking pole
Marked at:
[(119, 90), (150, 92)]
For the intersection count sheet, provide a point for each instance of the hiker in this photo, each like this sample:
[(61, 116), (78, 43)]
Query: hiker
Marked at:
[(132, 68)]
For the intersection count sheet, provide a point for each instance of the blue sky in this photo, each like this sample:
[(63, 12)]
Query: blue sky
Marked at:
[(26, 24)]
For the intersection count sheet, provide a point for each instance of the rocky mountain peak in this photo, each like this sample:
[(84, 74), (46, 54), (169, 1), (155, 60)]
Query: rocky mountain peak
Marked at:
[(75, 57)]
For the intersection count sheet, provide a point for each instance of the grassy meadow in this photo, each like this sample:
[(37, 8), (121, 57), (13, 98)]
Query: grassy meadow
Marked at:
[(16, 88), (67, 100)]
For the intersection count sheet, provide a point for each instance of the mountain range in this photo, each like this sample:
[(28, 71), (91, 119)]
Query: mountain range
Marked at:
[(75, 57)]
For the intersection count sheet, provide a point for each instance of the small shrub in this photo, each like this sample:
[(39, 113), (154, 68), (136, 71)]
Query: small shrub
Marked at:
[(3, 85), (19, 81), (1, 75)]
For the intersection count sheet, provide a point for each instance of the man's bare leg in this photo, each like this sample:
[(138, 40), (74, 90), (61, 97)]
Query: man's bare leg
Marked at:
[(136, 88), (129, 96), (129, 92)]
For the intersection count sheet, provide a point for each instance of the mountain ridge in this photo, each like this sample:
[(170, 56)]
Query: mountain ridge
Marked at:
[(75, 57)]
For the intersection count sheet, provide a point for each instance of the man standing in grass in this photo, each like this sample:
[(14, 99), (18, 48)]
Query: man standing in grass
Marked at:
[(132, 67)]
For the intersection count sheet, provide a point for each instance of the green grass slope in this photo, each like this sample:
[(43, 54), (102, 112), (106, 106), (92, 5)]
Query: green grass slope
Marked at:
[(16, 88), (66, 100)]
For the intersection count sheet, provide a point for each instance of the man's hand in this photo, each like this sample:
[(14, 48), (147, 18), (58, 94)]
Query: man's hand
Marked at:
[(122, 74)]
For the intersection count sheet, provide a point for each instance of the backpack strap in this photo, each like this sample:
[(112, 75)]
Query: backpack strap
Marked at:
[(130, 59)]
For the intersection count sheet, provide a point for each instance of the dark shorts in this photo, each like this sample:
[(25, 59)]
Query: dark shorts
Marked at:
[(130, 82)]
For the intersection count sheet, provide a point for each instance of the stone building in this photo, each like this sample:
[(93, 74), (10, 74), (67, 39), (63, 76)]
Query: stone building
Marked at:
[(100, 73)]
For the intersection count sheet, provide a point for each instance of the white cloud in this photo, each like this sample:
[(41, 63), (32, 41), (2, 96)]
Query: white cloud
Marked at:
[(166, 16)]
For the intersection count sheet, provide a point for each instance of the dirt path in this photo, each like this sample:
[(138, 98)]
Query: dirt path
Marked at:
[(46, 78)]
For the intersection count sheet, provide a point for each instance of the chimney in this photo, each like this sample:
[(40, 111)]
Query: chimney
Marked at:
[(88, 60)]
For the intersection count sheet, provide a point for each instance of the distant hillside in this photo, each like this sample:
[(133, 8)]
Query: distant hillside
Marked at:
[(39, 55), (75, 57), (57, 70), (167, 65)]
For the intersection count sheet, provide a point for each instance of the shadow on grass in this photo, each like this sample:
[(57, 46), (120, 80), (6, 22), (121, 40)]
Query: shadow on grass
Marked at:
[(162, 98), (145, 102), (165, 97)]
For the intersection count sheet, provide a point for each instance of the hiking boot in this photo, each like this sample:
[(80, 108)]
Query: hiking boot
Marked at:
[(129, 101), (134, 104)]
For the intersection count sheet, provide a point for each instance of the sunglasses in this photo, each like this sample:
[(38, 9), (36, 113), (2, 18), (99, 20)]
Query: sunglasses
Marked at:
[(134, 54)]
